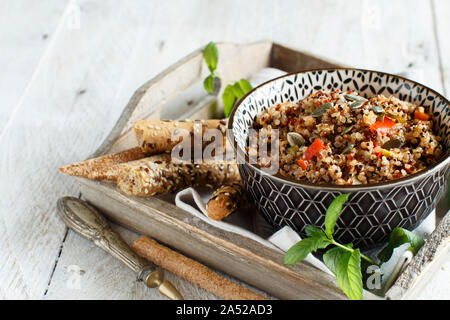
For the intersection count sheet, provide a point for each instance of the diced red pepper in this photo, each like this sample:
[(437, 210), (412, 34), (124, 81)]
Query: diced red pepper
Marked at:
[(302, 164), (382, 126), (421, 116), (313, 149)]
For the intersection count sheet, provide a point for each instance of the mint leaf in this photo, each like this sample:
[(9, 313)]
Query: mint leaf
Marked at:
[(208, 83), (398, 237), (241, 88), (245, 86), (228, 99), (346, 265), (301, 249), (211, 56), (331, 258), (312, 231), (348, 274), (333, 213), (237, 90)]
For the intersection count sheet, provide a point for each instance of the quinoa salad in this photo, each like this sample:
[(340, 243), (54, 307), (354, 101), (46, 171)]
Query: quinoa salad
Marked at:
[(343, 138)]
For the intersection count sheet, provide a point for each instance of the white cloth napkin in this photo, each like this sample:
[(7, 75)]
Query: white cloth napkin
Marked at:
[(254, 227)]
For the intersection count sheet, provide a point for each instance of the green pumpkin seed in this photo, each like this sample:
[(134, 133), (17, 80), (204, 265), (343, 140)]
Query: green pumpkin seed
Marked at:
[(377, 109), (322, 109), (357, 104), (348, 148), (393, 143), (295, 139), (396, 117), (354, 98), (348, 129)]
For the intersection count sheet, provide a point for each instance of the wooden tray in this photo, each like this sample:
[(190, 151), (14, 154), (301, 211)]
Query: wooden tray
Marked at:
[(177, 93)]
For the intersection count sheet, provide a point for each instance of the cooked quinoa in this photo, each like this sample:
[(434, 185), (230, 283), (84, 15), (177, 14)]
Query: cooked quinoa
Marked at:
[(342, 138)]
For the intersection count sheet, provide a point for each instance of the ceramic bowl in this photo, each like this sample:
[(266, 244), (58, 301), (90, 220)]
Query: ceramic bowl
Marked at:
[(373, 210)]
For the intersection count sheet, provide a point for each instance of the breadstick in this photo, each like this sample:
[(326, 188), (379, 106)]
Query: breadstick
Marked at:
[(105, 167), (158, 174), (156, 135), (192, 271), (224, 201)]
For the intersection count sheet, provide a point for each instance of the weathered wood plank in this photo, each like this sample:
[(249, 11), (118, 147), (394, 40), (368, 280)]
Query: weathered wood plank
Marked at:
[(52, 127), (26, 258), (442, 25), (26, 31)]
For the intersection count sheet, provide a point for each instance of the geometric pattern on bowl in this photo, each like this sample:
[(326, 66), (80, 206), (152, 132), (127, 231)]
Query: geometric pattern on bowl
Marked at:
[(367, 218)]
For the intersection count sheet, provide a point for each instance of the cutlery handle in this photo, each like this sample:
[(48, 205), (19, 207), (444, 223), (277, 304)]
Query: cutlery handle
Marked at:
[(113, 243), (87, 221)]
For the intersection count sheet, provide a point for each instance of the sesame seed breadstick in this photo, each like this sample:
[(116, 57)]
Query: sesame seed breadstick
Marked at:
[(192, 271), (156, 135), (224, 201), (105, 167), (158, 174)]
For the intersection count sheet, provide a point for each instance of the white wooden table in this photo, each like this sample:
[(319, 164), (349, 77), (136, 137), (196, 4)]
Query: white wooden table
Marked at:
[(68, 68)]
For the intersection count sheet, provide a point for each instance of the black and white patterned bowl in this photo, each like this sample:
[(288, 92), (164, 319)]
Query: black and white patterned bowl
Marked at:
[(373, 210)]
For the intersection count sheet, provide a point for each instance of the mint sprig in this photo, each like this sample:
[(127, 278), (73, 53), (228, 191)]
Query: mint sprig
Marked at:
[(343, 260), (212, 82)]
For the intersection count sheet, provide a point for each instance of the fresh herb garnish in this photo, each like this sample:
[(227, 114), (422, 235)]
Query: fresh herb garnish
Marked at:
[(342, 260), (212, 82)]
